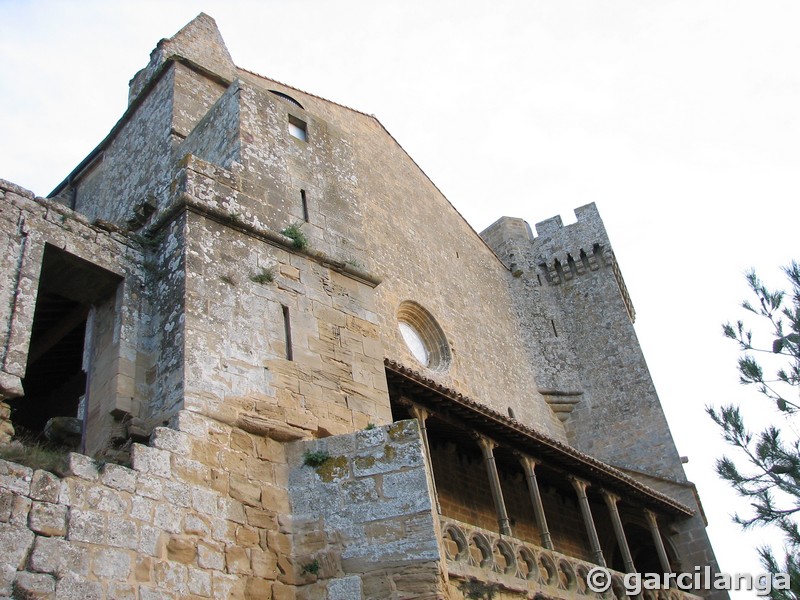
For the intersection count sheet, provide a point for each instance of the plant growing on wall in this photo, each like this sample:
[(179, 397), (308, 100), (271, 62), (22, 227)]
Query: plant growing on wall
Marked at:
[(298, 237), (315, 458), (266, 275)]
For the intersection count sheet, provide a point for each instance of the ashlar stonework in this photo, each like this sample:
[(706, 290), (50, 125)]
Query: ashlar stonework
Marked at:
[(279, 364)]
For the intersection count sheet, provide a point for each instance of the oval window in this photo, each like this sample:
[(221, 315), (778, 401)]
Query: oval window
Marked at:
[(423, 336)]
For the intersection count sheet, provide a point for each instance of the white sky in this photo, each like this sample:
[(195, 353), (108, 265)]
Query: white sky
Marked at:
[(679, 118)]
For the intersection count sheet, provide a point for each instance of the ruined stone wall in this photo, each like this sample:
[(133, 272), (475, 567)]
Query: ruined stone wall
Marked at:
[(197, 516), (135, 167), (193, 95), (216, 138), (165, 296), (364, 519), (29, 224)]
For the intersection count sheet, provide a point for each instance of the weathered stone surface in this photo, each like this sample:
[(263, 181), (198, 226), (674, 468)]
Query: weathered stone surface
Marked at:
[(112, 564), (45, 486), (81, 466), (151, 460), (15, 478), (14, 545), (182, 549), (88, 526), (59, 557), (118, 477), (48, 519), (345, 588), (35, 586), (70, 587)]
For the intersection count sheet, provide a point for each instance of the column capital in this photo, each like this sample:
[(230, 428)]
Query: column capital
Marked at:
[(486, 444), (527, 461), (610, 497), (651, 517), (418, 412), (579, 484)]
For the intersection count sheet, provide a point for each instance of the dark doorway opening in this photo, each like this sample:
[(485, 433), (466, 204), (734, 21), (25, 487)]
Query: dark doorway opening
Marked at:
[(55, 381)]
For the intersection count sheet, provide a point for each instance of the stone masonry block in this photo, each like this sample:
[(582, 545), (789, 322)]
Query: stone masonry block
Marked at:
[(20, 509), (142, 508), (58, 556), (14, 545), (191, 423), (177, 493), (182, 549), (149, 593), (368, 438), (111, 564), (149, 540), (151, 460), (344, 588), (204, 501), (48, 519), (121, 591), (106, 500), (87, 526), (403, 484), (72, 587), (199, 582), (390, 457), (45, 486), (210, 556), (7, 575), (172, 441), (237, 560), (35, 586), (149, 486), (168, 518), (118, 477), (6, 500), (15, 478), (81, 466), (122, 532)]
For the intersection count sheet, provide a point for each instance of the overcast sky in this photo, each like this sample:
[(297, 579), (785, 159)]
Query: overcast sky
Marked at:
[(678, 118)]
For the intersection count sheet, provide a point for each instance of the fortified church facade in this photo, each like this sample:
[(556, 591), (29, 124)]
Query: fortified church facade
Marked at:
[(295, 371)]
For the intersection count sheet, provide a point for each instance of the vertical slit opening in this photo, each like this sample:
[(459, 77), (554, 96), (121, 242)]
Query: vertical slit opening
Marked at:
[(553, 323), (305, 205), (287, 332)]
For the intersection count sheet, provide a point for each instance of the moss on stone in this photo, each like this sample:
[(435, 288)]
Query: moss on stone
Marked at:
[(332, 469), (402, 431), (389, 453), (364, 462)]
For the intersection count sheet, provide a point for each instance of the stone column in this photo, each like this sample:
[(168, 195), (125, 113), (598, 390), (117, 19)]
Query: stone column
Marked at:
[(487, 447), (586, 511), (529, 464), (659, 543), (421, 415), (611, 502)]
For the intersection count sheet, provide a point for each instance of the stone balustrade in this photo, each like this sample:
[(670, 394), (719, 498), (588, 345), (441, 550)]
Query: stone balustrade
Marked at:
[(519, 567)]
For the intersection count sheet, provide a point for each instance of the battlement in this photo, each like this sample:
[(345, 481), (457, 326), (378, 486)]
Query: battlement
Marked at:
[(564, 252)]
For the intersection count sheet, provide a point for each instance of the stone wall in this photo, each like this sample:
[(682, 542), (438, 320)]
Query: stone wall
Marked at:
[(197, 516), (204, 512), (424, 251), (28, 226), (245, 286), (363, 519)]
